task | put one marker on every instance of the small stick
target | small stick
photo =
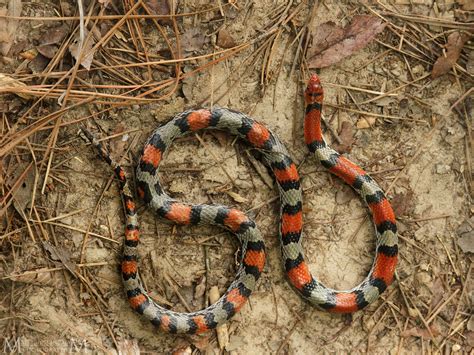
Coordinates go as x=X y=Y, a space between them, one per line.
x=77 y=230
x=435 y=313
x=449 y=256
x=176 y=291
x=266 y=179
x=215 y=158
x=288 y=336
x=222 y=331
x=427 y=218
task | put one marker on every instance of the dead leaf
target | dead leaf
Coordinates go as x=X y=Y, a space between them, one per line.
x=38 y=64
x=66 y=8
x=8 y=26
x=8 y=84
x=465 y=233
x=412 y=312
x=402 y=202
x=466 y=242
x=161 y=7
x=421 y=332
x=365 y=122
x=438 y=292
x=454 y=46
x=47 y=50
x=126 y=346
x=30 y=54
x=87 y=53
x=118 y=145
x=332 y=43
x=470 y=338
x=182 y=350
x=344 y=195
x=23 y=194
x=60 y=254
x=261 y=171
x=467 y=5
x=222 y=330
x=200 y=289
x=222 y=138
x=40 y=276
x=225 y=40
x=201 y=341
x=236 y=197
x=346 y=136
x=193 y=39
x=236 y=342
x=54 y=35
x=470 y=324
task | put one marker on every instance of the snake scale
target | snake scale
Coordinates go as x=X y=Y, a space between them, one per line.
x=276 y=156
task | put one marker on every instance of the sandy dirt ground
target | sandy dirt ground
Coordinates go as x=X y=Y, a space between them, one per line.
x=60 y=288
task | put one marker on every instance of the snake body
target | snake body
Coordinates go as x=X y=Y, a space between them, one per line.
x=253 y=251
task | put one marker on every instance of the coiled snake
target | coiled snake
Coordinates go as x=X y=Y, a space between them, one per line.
x=253 y=250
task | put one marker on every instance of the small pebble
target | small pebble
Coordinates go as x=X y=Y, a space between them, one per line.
x=442 y=168
x=456 y=347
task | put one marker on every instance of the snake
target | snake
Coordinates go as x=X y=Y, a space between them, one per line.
x=252 y=257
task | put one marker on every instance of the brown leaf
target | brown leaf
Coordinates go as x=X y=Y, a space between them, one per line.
x=344 y=195
x=66 y=8
x=470 y=338
x=420 y=332
x=182 y=350
x=223 y=139
x=466 y=242
x=54 y=35
x=200 y=289
x=466 y=236
x=454 y=46
x=22 y=196
x=8 y=26
x=47 y=50
x=236 y=197
x=224 y=39
x=160 y=7
x=332 y=43
x=193 y=39
x=118 y=145
x=438 y=292
x=470 y=324
x=126 y=346
x=346 y=135
x=87 y=54
x=30 y=54
x=38 y=64
x=57 y=254
x=7 y=84
x=366 y=122
x=402 y=202
x=40 y=276
x=325 y=36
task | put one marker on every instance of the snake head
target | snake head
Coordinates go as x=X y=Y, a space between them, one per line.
x=314 y=90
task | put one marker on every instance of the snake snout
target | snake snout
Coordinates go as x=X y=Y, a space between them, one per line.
x=314 y=90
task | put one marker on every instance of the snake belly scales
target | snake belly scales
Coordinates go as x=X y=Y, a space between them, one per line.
x=252 y=249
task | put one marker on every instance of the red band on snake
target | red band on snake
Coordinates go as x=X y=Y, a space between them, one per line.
x=253 y=250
